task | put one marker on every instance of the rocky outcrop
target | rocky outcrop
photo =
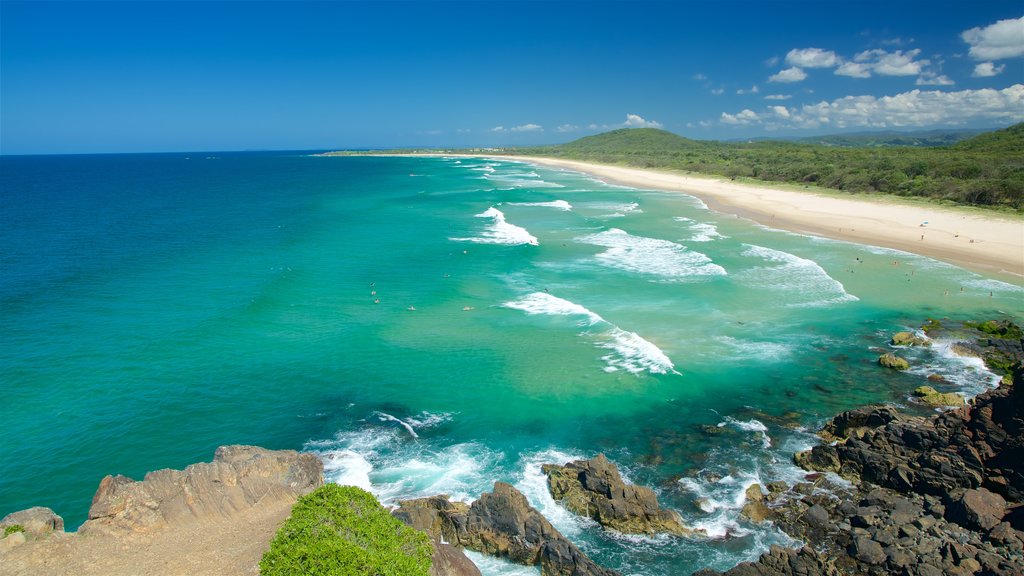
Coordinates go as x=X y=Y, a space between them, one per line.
x=595 y=489
x=433 y=515
x=239 y=477
x=909 y=339
x=500 y=523
x=942 y=495
x=932 y=397
x=36 y=522
x=890 y=360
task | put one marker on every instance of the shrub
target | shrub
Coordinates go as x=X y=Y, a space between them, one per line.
x=342 y=530
x=8 y=530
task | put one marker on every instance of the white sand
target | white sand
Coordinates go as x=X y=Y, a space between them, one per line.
x=974 y=239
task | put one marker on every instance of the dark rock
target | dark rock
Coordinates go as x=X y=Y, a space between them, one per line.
x=594 y=488
x=817 y=517
x=450 y=560
x=977 y=509
x=501 y=523
x=867 y=550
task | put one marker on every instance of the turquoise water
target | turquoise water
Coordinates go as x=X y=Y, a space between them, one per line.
x=433 y=325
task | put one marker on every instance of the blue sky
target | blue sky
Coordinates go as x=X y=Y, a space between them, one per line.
x=167 y=76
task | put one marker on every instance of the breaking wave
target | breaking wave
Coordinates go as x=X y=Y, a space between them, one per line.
x=651 y=256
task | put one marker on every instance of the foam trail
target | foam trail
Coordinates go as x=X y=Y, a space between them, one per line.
x=560 y=204
x=384 y=417
x=629 y=351
x=616 y=210
x=753 y=425
x=805 y=282
x=650 y=256
x=500 y=231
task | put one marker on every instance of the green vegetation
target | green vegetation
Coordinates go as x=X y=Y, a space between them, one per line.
x=998 y=328
x=8 y=530
x=886 y=139
x=342 y=530
x=987 y=170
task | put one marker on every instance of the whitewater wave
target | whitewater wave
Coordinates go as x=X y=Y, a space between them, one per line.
x=382 y=460
x=966 y=375
x=500 y=231
x=744 y=350
x=651 y=256
x=804 y=282
x=752 y=425
x=628 y=350
x=701 y=231
x=521 y=179
x=534 y=485
x=614 y=209
x=560 y=204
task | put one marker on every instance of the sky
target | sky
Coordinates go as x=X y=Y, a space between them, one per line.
x=152 y=76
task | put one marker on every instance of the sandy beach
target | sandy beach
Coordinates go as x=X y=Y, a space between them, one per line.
x=984 y=242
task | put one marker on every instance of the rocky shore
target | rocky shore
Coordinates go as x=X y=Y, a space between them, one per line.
x=924 y=496
x=887 y=493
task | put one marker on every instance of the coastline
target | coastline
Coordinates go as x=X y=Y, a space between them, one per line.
x=986 y=243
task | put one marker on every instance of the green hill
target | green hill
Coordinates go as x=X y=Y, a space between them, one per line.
x=986 y=170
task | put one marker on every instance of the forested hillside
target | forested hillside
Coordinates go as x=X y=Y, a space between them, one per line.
x=987 y=170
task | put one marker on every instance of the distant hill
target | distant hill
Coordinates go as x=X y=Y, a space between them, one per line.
x=1006 y=141
x=986 y=169
x=928 y=138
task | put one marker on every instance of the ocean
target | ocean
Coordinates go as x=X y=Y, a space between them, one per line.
x=432 y=325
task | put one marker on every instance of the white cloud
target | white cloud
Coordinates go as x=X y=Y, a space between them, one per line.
x=635 y=121
x=567 y=128
x=987 y=69
x=854 y=70
x=778 y=97
x=718 y=91
x=932 y=79
x=793 y=74
x=913 y=109
x=898 y=63
x=811 y=58
x=752 y=90
x=780 y=111
x=1004 y=39
x=772 y=62
x=699 y=77
x=527 y=128
x=745 y=117
x=463 y=130
x=498 y=129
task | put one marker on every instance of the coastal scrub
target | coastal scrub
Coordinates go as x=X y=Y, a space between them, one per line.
x=343 y=530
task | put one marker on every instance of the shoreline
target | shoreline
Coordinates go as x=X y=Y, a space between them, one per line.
x=989 y=244
x=984 y=243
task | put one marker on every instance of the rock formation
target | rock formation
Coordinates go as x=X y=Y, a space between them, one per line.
x=890 y=360
x=239 y=477
x=908 y=339
x=595 y=489
x=500 y=523
x=932 y=397
x=931 y=496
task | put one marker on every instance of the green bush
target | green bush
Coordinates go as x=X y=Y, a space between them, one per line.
x=8 y=530
x=342 y=530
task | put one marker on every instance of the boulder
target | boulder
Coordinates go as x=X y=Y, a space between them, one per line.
x=976 y=509
x=12 y=540
x=890 y=360
x=909 y=339
x=501 y=523
x=36 y=522
x=238 y=478
x=594 y=488
x=433 y=515
x=755 y=507
x=932 y=397
x=867 y=550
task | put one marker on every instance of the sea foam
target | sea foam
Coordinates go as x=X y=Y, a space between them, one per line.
x=651 y=256
x=500 y=231
x=560 y=204
x=805 y=283
x=700 y=231
x=628 y=350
